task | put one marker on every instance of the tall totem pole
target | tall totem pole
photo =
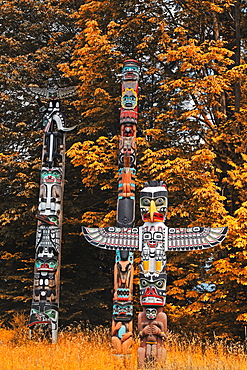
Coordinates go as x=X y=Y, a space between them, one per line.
x=45 y=302
x=153 y=240
x=122 y=321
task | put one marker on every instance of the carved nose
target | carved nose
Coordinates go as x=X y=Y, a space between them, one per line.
x=150 y=291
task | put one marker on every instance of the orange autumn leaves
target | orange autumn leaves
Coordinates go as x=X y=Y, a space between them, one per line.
x=189 y=109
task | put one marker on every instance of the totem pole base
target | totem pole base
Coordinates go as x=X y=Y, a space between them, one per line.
x=54 y=334
x=150 y=356
x=44 y=332
x=122 y=348
x=152 y=326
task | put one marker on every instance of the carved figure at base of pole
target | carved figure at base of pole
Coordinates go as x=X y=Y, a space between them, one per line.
x=152 y=327
x=122 y=336
x=122 y=326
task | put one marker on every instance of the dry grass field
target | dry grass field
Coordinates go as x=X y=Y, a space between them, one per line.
x=91 y=350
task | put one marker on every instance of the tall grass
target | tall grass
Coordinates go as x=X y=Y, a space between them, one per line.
x=91 y=350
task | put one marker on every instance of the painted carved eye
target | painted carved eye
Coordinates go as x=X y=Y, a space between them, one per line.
x=51 y=314
x=159 y=202
x=53 y=218
x=147 y=236
x=160 y=284
x=144 y=283
x=56 y=173
x=158 y=236
x=145 y=202
x=38 y=263
x=52 y=264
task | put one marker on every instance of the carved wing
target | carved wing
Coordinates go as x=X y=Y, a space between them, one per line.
x=59 y=93
x=66 y=92
x=182 y=239
x=113 y=237
x=42 y=93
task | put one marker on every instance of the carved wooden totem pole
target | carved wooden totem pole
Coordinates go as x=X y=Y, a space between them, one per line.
x=45 y=302
x=153 y=240
x=122 y=321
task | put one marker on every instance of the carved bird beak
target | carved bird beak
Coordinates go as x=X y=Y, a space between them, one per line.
x=152 y=210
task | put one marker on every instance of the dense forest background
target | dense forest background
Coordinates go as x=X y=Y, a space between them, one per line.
x=192 y=133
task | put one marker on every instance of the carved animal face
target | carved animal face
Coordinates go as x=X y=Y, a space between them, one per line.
x=46 y=317
x=153 y=289
x=122 y=311
x=153 y=203
x=46 y=264
x=51 y=175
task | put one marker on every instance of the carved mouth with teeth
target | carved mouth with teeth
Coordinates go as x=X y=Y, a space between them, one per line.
x=151 y=297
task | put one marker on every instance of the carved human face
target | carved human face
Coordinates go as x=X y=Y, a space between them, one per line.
x=130 y=70
x=153 y=203
x=129 y=98
x=151 y=313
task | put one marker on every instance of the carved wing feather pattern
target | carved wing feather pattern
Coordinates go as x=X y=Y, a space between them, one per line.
x=66 y=92
x=179 y=239
x=187 y=239
x=42 y=93
x=59 y=93
x=113 y=237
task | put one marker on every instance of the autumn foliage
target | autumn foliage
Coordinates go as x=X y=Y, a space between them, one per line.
x=191 y=134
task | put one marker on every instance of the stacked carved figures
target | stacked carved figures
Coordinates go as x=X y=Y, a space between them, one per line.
x=123 y=270
x=152 y=322
x=153 y=239
x=45 y=302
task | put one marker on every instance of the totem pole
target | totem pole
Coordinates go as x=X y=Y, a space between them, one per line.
x=123 y=270
x=153 y=240
x=45 y=302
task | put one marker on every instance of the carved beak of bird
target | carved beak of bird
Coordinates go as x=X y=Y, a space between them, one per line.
x=152 y=210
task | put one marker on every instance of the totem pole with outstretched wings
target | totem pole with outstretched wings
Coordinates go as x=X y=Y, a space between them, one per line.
x=153 y=240
x=45 y=302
